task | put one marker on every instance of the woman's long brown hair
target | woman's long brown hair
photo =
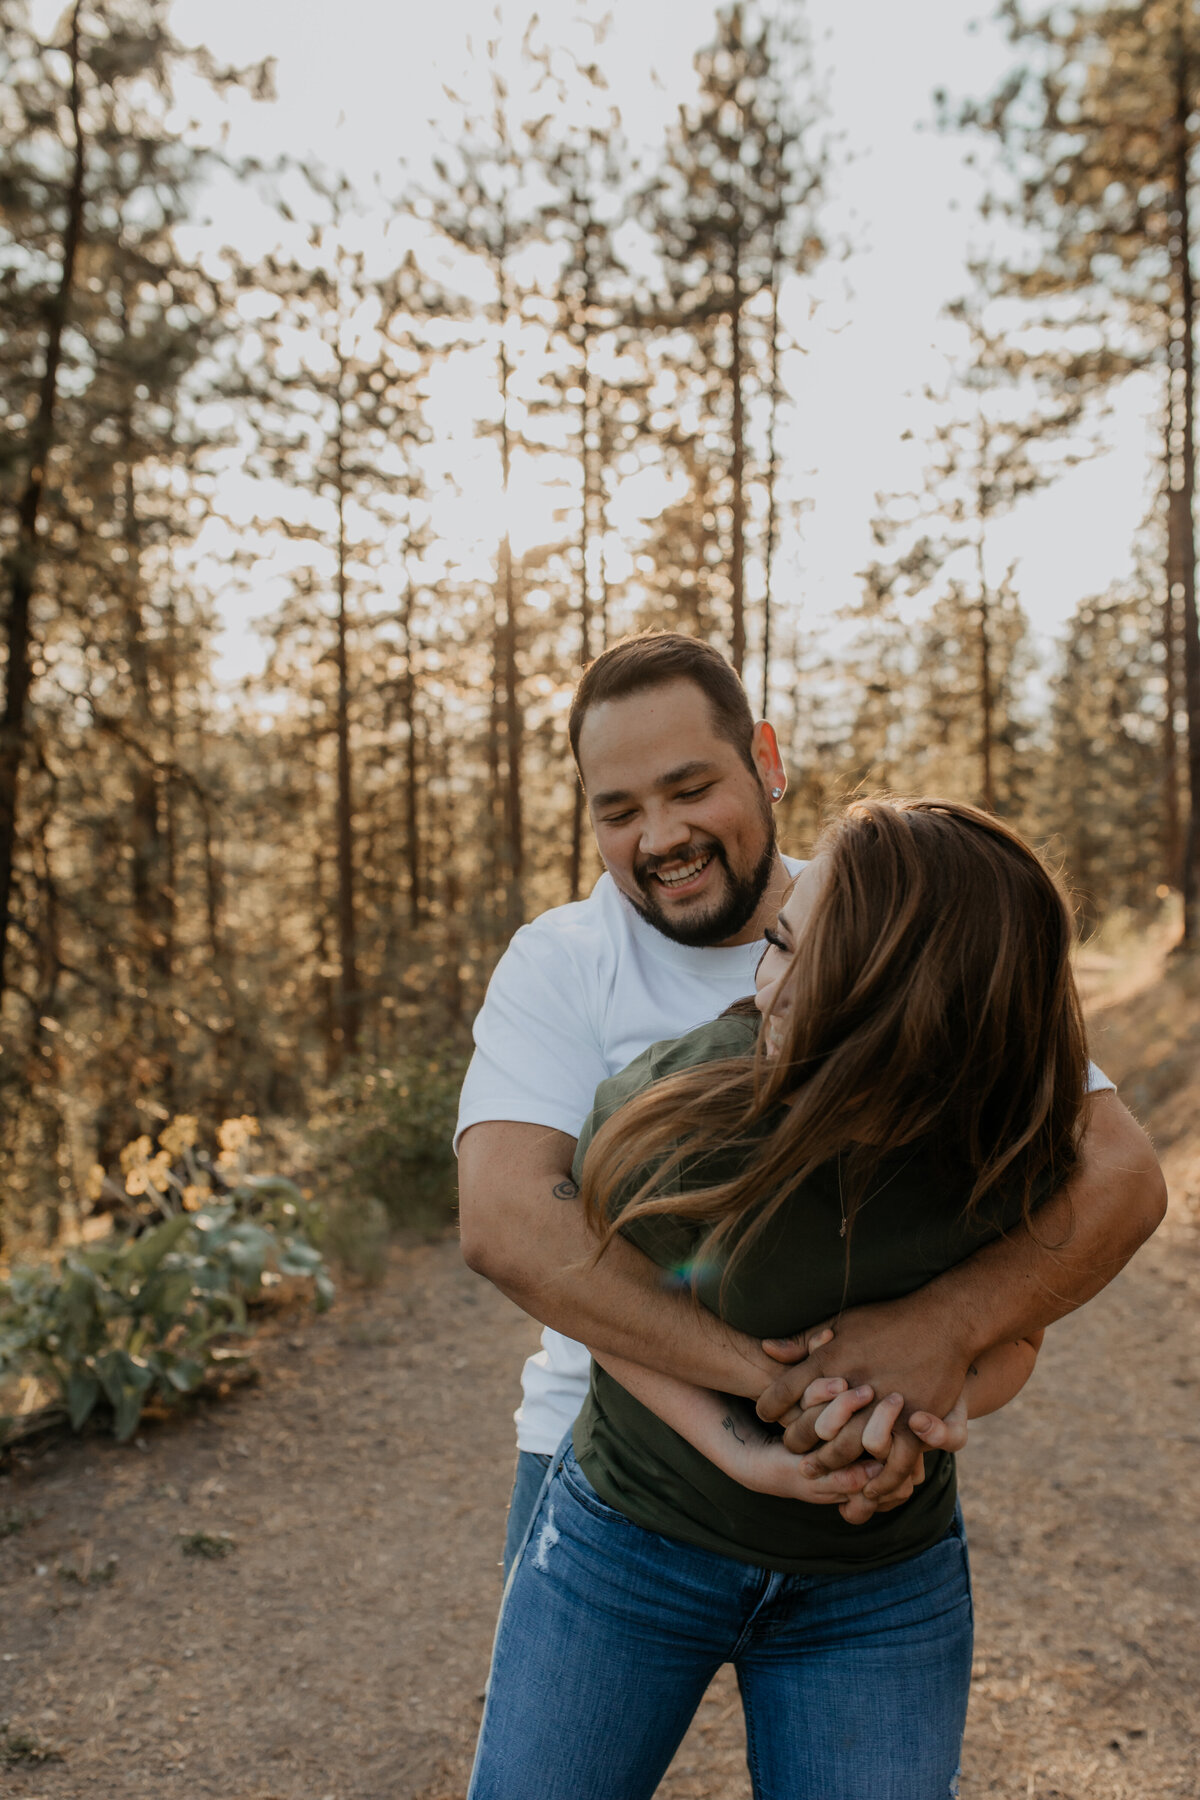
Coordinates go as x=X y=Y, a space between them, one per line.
x=932 y=1000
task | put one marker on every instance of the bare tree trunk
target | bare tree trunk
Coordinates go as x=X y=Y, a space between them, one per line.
x=1185 y=345
x=327 y=997
x=772 y=503
x=153 y=899
x=986 y=758
x=986 y=694
x=349 y=999
x=412 y=812
x=737 y=549
x=513 y=735
x=23 y=563
x=510 y=684
x=1172 y=825
x=585 y=544
x=495 y=798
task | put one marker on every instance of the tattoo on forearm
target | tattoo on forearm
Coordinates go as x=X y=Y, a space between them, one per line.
x=566 y=1190
x=730 y=1425
x=974 y=1369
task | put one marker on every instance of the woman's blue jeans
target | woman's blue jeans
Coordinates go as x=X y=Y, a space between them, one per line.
x=854 y=1686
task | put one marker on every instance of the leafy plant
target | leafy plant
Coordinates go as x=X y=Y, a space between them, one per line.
x=20 y=1748
x=210 y=1545
x=388 y=1133
x=137 y=1317
x=90 y=1575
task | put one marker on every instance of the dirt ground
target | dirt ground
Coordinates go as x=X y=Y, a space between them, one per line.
x=339 y=1649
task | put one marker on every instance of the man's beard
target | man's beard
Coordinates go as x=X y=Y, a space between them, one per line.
x=731 y=915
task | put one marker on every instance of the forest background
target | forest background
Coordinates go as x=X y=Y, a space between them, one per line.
x=439 y=434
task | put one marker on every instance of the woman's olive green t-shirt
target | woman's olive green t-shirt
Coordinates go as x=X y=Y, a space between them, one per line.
x=908 y=1229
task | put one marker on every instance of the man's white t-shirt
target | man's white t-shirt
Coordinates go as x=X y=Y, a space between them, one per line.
x=576 y=996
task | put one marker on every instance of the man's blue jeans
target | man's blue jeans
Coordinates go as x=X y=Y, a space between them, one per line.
x=854 y=1686
x=527 y=1485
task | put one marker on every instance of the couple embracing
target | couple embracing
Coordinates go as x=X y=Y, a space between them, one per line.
x=783 y=1249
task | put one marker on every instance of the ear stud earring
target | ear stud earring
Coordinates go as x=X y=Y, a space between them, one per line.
x=777 y=793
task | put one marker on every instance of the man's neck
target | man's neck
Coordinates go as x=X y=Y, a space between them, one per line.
x=767 y=910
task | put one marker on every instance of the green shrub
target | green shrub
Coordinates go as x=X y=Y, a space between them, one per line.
x=387 y=1134
x=135 y=1318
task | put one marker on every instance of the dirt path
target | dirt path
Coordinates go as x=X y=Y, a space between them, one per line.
x=339 y=1650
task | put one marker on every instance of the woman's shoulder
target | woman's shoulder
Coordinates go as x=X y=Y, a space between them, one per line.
x=715 y=1041
x=733 y=1034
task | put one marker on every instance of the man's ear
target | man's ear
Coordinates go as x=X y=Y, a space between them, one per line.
x=764 y=749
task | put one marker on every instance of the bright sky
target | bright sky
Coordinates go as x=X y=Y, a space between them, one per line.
x=359 y=84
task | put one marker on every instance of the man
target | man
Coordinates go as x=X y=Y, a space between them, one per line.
x=680 y=783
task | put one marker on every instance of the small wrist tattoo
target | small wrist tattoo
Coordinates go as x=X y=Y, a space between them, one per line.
x=566 y=1190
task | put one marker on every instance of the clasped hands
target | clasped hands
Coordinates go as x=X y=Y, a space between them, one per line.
x=848 y=1440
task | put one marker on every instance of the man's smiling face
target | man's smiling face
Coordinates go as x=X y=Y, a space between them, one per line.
x=683 y=825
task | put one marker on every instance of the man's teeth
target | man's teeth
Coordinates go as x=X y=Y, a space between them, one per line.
x=684 y=874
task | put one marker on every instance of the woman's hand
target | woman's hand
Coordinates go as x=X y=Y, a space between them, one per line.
x=949 y=1433
x=757 y=1458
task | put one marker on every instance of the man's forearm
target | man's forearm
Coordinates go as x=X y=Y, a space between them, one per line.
x=622 y=1305
x=923 y=1344
x=1080 y=1239
x=523 y=1228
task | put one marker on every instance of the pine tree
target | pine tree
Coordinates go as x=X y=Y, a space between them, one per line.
x=1100 y=126
x=588 y=385
x=483 y=205
x=334 y=401
x=732 y=213
x=1102 y=773
x=101 y=487
x=991 y=446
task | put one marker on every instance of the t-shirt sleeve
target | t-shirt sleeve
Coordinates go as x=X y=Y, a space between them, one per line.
x=1098 y=1082
x=538 y=1059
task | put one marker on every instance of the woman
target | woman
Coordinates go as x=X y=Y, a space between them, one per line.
x=917 y=1087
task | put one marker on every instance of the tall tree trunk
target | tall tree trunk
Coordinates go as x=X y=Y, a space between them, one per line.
x=23 y=563
x=585 y=547
x=495 y=798
x=513 y=735
x=986 y=707
x=772 y=480
x=987 y=698
x=737 y=548
x=153 y=900
x=412 y=811
x=1186 y=346
x=509 y=677
x=327 y=994
x=1172 y=846
x=349 y=999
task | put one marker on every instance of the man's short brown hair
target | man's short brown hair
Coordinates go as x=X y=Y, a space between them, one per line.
x=650 y=660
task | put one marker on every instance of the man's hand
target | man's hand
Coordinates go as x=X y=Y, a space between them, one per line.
x=901 y=1348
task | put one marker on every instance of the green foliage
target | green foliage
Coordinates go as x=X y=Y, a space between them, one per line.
x=212 y=1546
x=137 y=1318
x=388 y=1134
x=21 y=1749
x=89 y=1576
x=1103 y=781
